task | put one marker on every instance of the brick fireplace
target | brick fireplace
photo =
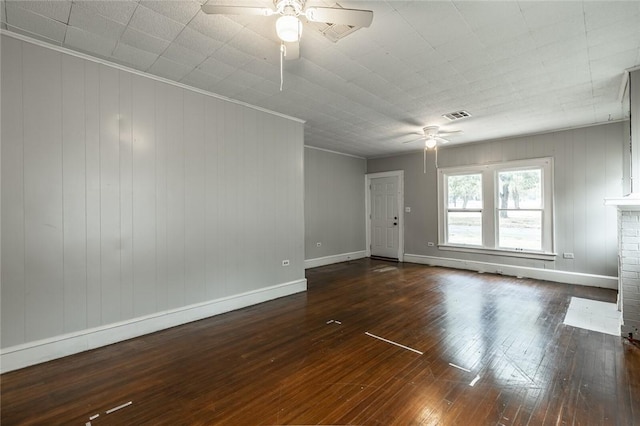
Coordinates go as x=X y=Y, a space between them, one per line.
x=629 y=223
x=629 y=268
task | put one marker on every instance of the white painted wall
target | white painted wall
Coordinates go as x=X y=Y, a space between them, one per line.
x=334 y=207
x=588 y=168
x=124 y=197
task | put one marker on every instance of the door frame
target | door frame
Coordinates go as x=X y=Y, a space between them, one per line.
x=400 y=175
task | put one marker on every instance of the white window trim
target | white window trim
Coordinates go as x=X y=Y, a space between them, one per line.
x=489 y=173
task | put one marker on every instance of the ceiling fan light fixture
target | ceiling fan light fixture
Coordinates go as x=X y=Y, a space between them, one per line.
x=288 y=28
x=430 y=143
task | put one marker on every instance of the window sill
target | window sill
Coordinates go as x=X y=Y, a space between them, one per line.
x=500 y=252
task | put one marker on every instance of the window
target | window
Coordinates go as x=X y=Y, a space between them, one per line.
x=502 y=207
x=464 y=209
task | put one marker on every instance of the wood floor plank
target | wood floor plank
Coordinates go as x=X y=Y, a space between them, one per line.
x=284 y=362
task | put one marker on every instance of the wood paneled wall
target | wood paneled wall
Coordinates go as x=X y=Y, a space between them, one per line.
x=588 y=167
x=334 y=203
x=124 y=196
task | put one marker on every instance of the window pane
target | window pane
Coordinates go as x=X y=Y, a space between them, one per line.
x=465 y=191
x=520 y=229
x=520 y=189
x=464 y=228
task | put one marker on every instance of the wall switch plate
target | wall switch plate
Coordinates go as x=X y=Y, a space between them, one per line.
x=285 y=262
x=567 y=255
x=407 y=209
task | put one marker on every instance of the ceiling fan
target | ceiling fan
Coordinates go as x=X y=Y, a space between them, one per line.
x=289 y=12
x=433 y=135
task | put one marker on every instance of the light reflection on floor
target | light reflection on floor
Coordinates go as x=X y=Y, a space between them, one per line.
x=593 y=315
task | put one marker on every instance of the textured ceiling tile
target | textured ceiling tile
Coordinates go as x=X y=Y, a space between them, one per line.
x=540 y=14
x=89 y=42
x=227 y=89
x=317 y=74
x=613 y=33
x=562 y=48
x=601 y=14
x=480 y=14
x=460 y=46
x=133 y=57
x=264 y=70
x=471 y=61
x=411 y=81
x=267 y=89
x=511 y=46
x=144 y=41
x=440 y=72
x=36 y=24
x=115 y=10
x=169 y=69
x=437 y=22
x=232 y=55
x=183 y=55
x=216 y=68
x=379 y=59
x=534 y=66
x=57 y=10
x=197 y=41
x=152 y=23
x=358 y=44
x=568 y=28
x=199 y=79
x=343 y=66
x=218 y=27
x=180 y=11
x=503 y=32
x=257 y=46
x=612 y=65
x=86 y=19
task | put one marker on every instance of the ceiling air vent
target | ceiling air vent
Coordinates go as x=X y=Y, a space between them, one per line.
x=457 y=115
x=333 y=32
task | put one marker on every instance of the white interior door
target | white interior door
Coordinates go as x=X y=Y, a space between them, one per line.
x=384 y=217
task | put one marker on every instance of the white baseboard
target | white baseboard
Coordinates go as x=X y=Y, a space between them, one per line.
x=590 y=280
x=32 y=353
x=336 y=258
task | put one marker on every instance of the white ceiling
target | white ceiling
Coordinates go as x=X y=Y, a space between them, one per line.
x=517 y=67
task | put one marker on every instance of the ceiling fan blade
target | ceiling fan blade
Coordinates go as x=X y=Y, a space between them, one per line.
x=213 y=9
x=292 y=51
x=415 y=140
x=335 y=15
x=438 y=138
x=449 y=132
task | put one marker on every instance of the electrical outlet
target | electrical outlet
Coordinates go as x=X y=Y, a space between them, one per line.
x=285 y=262
x=430 y=244
x=567 y=255
x=318 y=244
x=407 y=209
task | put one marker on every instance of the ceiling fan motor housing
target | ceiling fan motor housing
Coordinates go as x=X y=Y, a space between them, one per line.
x=289 y=7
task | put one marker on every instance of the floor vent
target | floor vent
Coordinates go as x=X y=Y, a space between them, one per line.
x=457 y=115
x=333 y=32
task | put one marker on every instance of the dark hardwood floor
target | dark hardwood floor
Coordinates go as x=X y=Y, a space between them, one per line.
x=281 y=362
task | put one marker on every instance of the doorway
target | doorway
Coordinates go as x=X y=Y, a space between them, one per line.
x=385 y=218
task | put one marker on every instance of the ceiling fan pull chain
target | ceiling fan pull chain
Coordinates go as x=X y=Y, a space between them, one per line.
x=424 y=161
x=283 y=52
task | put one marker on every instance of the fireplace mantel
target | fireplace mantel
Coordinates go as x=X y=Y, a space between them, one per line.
x=628 y=202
